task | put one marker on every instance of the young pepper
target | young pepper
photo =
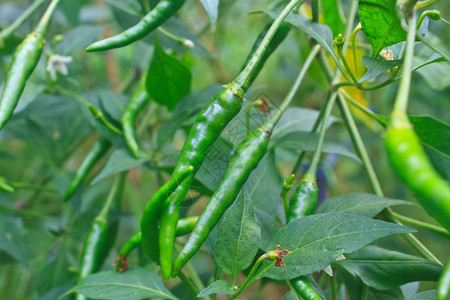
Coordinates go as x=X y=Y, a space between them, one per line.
x=102 y=234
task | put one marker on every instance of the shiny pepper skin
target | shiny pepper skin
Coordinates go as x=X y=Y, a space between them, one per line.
x=243 y=162
x=23 y=64
x=137 y=101
x=415 y=170
x=158 y=15
x=304 y=201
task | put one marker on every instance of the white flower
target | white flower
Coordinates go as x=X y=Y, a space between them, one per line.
x=57 y=64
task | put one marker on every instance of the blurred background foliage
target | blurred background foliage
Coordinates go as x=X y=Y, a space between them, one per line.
x=51 y=131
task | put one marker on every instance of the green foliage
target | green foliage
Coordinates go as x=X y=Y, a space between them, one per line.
x=52 y=130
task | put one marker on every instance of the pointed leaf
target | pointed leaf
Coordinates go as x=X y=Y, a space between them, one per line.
x=135 y=283
x=316 y=241
x=377 y=66
x=168 y=80
x=217 y=287
x=238 y=237
x=320 y=32
x=363 y=204
x=427 y=295
x=211 y=8
x=384 y=269
x=380 y=23
x=120 y=160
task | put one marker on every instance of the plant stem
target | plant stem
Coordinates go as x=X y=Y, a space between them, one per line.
x=433 y=47
x=249 y=278
x=352 y=39
x=347 y=67
x=189 y=284
x=401 y=101
x=384 y=121
x=5 y=33
x=310 y=175
x=98 y=115
x=288 y=99
x=373 y=180
x=41 y=27
x=243 y=79
x=437 y=229
x=364 y=292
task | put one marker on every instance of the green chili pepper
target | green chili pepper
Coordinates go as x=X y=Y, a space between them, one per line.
x=152 y=211
x=403 y=146
x=97 y=151
x=23 y=63
x=303 y=287
x=443 y=287
x=158 y=15
x=244 y=161
x=210 y=122
x=137 y=101
x=415 y=170
x=184 y=227
x=102 y=234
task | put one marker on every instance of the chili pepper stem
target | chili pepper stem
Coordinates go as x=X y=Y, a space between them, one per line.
x=43 y=23
x=189 y=284
x=269 y=125
x=20 y=20
x=243 y=78
x=249 y=278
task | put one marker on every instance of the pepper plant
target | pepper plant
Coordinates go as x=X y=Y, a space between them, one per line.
x=223 y=149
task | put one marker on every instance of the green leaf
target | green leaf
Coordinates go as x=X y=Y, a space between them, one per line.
x=260 y=186
x=384 y=269
x=185 y=111
x=427 y=295
x=432 y=133
x=307 y=141
x=238 y=237
x=269 y=227
x=12 y=232
x=135 y=283
x=217 y=287
x=211 y=8
x=330 y=12
x=298 y=119
x=319 y=32
x=363 y=204
x=79 y=38
x=316 y=241
x=377 y=66
x=132 y=7
x=392 y=294
x=120 y=160
x=113 y=104
x=168 y=80
x=380 y=23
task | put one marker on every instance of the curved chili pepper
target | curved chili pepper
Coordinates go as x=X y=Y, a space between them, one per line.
x=415 y=170
x=184 y=227
x=137 y=101
x=443 y=287
x=158 y=15
x=244 y=161
x=102 y=234
x=24 y=61
x=97 y=151
x=152 y=211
